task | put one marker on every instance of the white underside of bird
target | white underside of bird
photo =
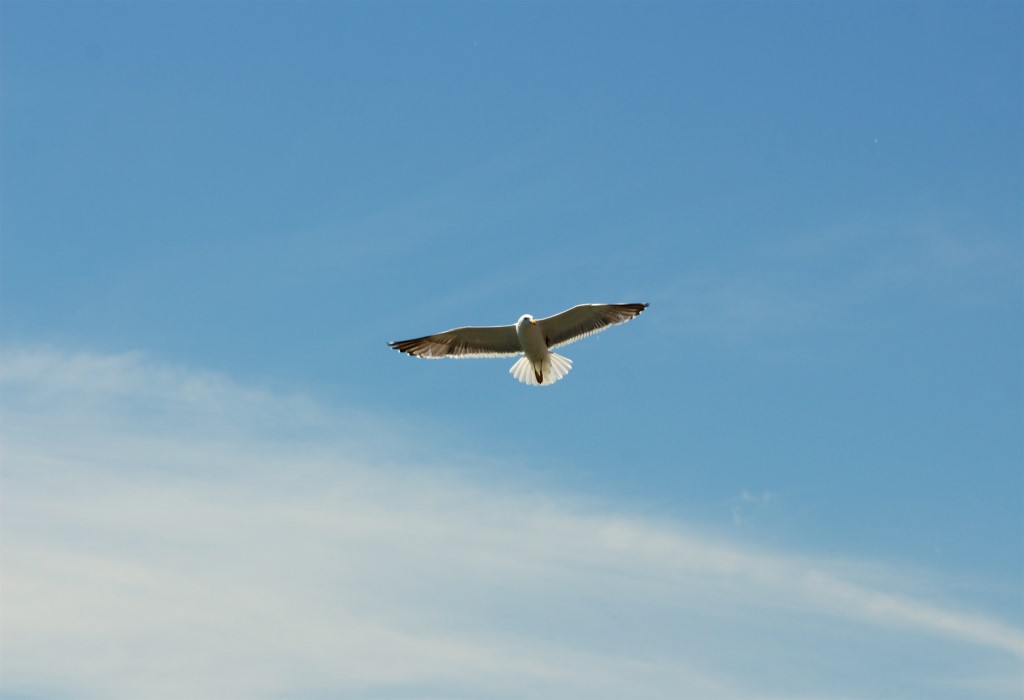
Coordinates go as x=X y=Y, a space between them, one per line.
x=531 y=338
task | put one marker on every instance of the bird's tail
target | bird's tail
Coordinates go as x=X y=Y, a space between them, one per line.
x=549 y=371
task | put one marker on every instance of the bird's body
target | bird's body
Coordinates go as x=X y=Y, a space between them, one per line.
x=530 y=338
x=535 y=346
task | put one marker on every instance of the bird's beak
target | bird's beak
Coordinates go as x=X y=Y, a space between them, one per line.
x=533 y=322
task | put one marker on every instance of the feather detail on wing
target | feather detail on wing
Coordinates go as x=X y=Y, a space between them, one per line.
x=586 y=319
x=472 y=341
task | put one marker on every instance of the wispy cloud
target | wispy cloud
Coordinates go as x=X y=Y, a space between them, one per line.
x=940 y=258
x=747 y=504
x=738 y=309
x=169 y=533
x=845 y=275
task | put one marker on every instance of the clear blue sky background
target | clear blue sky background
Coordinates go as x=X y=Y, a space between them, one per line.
x=822 y=203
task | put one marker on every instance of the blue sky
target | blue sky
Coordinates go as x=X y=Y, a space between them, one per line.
x=807 y=452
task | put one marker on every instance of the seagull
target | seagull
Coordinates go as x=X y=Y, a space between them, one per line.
x=531 y=338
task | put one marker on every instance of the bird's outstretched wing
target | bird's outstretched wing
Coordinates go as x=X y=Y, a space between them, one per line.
x=472 y=341
x=586 y=319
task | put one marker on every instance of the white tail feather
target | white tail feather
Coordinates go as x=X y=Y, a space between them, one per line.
x=553 y=368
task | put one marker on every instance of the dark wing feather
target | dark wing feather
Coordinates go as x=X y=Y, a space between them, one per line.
x=586 y=319
x=472 y=341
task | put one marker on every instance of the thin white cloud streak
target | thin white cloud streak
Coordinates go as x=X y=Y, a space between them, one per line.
x=734 y=310
x=944 y=262
x=168 y=533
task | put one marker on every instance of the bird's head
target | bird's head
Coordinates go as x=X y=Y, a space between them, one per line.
x=525 y=319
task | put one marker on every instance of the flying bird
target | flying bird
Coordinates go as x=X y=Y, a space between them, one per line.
x=531 y=338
